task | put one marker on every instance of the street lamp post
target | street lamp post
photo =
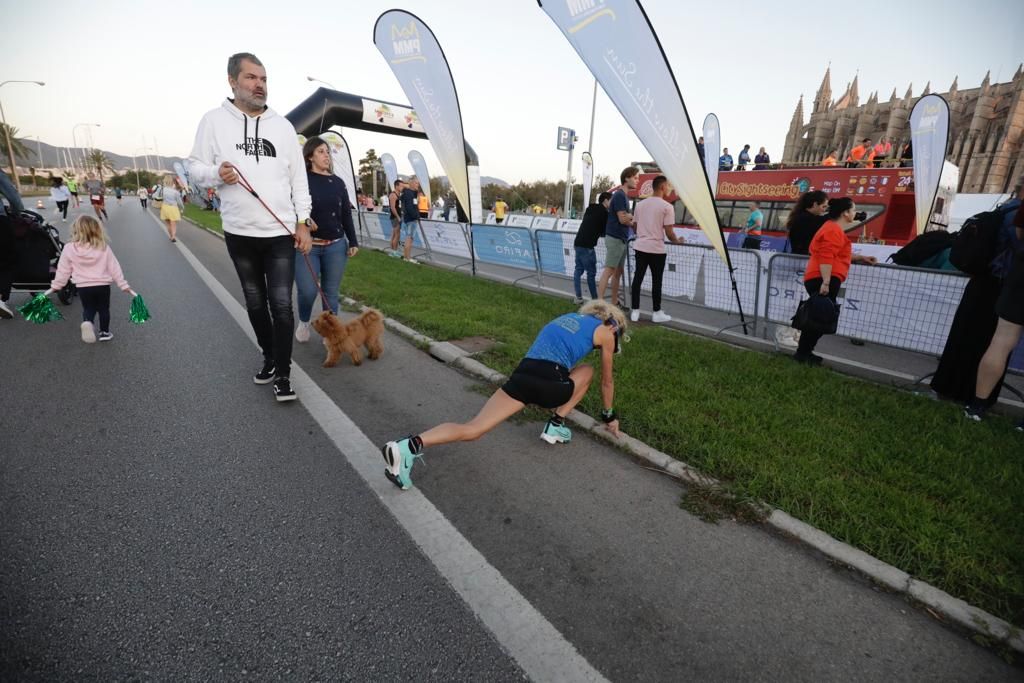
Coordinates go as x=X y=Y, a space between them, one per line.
x=7 y=134
x=317 y=80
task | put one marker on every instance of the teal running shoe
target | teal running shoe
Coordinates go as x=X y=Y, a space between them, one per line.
x=556 y=433
x=400 y=458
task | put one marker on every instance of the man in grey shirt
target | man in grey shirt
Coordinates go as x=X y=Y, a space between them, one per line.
x=94 y=187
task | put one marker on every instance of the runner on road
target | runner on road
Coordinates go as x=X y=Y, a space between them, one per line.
x=543 y=378
x=244 y=134
x=143 y=197
x=73 y=189
x=94 y=187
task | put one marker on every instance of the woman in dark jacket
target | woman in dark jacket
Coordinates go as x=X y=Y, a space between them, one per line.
x=334 y=239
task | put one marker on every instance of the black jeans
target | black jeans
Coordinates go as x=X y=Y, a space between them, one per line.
x=808 y=340
x=656 y=262
x=266 y=269
x=63 y=208
x=96 y=300
x=143 y=203
x=8 y=260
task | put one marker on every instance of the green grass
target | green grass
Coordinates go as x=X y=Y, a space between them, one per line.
x=207 y=219
x=904 y=478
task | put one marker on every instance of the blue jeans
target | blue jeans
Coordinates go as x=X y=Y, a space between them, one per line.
x=329 y=265
x=586 y=262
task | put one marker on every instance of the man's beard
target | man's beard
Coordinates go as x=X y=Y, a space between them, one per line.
x=251 y=101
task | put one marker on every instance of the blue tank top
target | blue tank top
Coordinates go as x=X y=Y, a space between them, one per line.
x=565 y=340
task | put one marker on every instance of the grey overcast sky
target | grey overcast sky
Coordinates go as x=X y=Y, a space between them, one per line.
x=148 y=71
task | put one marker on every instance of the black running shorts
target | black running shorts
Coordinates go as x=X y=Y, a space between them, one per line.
x=540 y=383
x=1010 y=305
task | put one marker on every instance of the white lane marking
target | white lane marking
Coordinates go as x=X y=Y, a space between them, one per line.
x=537 y=646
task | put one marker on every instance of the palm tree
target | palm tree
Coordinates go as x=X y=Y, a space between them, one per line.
x=98 y=160
x=19 y=148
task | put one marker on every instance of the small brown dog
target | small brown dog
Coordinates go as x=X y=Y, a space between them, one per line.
x=341 y=337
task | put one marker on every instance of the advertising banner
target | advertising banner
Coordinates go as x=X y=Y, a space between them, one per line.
x=504 y=246
x=392 y=115
x=446 y=238
x=419 y=167
x=390 y=169
x=712 y=145
x=419 y=64
x=929 y=133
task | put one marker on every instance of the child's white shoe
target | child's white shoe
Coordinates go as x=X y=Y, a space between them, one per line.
x=88 y=332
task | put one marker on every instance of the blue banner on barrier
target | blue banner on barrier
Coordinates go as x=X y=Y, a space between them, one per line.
x=735 y=241
x=551 y=247
x=512 y=247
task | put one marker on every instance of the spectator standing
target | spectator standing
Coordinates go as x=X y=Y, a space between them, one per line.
x=830 y=159
x=762 y=160
x=744 y=158
x=654 y=220
x=752 y=230
x=700 y=149
x=725 y=161
x=172 y=208
x=907 y=155
x=831 y=256
x=882 y=150
x=395 y=212
x=803 y=223
x=858 y=155
x=592 y=227
x=617 y=233
x=500 y=207
x=410 y=216
x=263 y=252
x=423 y=204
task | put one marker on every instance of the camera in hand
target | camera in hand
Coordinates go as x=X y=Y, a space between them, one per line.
x=860 y=216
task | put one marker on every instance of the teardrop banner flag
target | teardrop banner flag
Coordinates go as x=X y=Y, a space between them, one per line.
x=616 y=41
x=713 y=142
x=588 y=178
x=341 y=161
x=390 y=168
x=419 y=64
x=419 y=167
x=929 y=131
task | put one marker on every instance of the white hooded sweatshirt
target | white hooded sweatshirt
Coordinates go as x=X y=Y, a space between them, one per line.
x=266 y=150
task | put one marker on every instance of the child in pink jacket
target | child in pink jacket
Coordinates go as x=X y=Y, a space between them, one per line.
x=88 y=261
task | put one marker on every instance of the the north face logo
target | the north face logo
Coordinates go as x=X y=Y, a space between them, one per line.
x=249 y=147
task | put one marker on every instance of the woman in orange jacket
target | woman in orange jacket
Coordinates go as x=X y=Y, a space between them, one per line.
x=831 y=256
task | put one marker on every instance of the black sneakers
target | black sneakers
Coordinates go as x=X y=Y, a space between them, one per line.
x=283 y=389
x=266 y=375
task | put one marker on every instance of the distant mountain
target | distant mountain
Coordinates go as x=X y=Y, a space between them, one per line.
x=484 y=180
x=54 y=159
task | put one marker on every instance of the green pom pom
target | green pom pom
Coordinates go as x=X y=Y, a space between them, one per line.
x=139 y=313
x=40 y=310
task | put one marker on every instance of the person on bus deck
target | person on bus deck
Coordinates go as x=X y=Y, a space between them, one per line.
x=882 y=150
x=830 y=159
x=744 y=158
x=725 y=161
x=857 y=155
x=761 y=161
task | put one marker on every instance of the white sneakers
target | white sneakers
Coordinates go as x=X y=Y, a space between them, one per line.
x=88 y=333
x=634 y=315
x=660 y=317
x=787 y=336
x=302 y=333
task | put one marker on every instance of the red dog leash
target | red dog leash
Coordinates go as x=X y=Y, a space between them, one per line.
x=248 y=188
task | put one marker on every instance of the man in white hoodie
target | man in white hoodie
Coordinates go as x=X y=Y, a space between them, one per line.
x=245 y=134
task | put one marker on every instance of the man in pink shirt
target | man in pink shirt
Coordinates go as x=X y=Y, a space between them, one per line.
x=654 y=220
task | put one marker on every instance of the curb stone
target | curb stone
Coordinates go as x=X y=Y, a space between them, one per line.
x=956 y=610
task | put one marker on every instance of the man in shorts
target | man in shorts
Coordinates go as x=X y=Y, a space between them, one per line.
x=410 y=216
x=94 y=186
x=617 y=233
x=1010 y=309
x=72 y=184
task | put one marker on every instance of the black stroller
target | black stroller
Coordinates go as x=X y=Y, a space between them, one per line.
x=37 y=248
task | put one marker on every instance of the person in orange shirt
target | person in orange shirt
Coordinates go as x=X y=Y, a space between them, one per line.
x=858 y=153
x=830 y=159
x=882 y=150
x=831 y=256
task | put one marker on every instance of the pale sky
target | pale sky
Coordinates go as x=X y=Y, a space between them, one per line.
x=148 y=71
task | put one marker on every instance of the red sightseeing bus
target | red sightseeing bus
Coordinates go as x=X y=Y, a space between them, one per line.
x=885 y=194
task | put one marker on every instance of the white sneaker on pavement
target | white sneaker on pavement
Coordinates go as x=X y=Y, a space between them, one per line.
x=784 y=337
x=661 y=317
x=5 y=312
x=302 y=333
x=634 y=315
x=88 y=333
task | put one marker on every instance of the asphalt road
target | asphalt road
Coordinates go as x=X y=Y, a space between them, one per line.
x=162 y=517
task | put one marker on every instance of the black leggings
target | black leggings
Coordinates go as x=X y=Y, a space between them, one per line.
x=808 y=340
x=63 y=208
x=143 y=203
x=96 y=300
x=657 y=266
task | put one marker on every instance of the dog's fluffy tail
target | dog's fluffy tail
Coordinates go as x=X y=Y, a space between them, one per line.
x=371 y=316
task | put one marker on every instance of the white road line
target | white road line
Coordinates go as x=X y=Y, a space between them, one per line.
x=537 y=646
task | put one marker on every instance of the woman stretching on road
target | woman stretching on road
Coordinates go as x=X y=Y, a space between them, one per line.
x=543 y=378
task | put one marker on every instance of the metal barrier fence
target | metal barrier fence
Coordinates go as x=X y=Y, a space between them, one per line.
x=905 y=308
